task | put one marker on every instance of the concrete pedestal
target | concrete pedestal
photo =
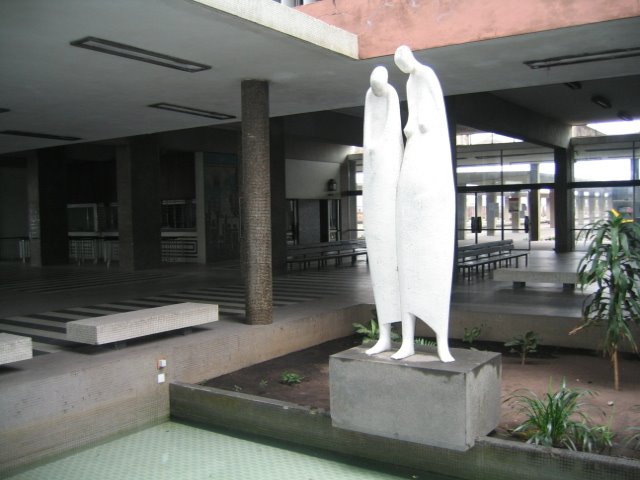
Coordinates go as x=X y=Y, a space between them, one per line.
x=418 y=399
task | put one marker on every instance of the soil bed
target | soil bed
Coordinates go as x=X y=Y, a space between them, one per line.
x=581 y=369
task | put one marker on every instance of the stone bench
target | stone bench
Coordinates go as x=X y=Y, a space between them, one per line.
x=14 y=348
x=520 y=277
x=121 y=327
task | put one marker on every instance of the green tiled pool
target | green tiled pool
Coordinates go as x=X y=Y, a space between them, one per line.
x=177 y=451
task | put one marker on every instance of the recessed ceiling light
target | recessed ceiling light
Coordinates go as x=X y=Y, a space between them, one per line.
x=48 y=136
x=574 y=85
x=626 y=116
x=584 y=58
x=601 y=101
x=135 y=53
x=192 y=111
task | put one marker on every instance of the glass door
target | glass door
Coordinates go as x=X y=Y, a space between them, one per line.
x=489 y=216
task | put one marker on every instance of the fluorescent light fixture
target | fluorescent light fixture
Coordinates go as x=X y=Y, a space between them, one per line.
x=48 y=136
x=601 y=101
x=584 y=58
x=192 y=111
x=574 y=85
x=135 y=53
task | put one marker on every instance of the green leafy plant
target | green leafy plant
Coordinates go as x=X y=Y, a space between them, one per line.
x=262 y=385
x=559 y=420
x=470 y=334
x=633 y=439
x=425 y=341
x=372 y=332
x=524 y=344
x=290 y=378
x=612 y=264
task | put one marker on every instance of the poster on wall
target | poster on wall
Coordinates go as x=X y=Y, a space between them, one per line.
x=222 y=214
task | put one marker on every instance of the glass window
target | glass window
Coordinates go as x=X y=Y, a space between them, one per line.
x=592 y=204
x=599 y=162
x=523 y=164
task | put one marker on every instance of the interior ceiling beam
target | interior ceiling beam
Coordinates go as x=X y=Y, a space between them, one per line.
x=489 y=113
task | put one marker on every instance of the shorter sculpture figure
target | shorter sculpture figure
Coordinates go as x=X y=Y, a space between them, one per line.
x=383 y=147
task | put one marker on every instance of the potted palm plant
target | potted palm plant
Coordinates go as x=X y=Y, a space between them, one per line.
x=612 y=264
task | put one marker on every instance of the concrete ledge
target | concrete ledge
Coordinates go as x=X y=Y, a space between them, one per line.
x=419 y=399
x=489 y=458
x=521 y=276
x=14 y=348
x=139 y=323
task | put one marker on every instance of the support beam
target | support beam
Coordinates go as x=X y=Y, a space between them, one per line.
x=255 y=202
x=492 y=114
x=563 y=202
x=139 y=210
x=47 y=204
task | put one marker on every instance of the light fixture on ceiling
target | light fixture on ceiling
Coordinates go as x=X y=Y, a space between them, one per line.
x=4 y=110
x=584 y=58
x=192 y=111
x=574 y=85
x=48 y=136
x=140 y=54
x=601 y=101
x=626 y=116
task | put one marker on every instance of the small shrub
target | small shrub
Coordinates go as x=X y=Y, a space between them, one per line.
x=425 y=341
x=524 y=344
x=262 y=385
x=470 y=334
x=558 y=420
x=290 y=378
x=633 y=439
x=372 y=332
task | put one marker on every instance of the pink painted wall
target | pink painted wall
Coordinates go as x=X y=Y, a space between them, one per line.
x=382 y=25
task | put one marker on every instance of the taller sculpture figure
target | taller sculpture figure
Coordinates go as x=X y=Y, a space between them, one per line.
x=425 y=209
x=382 y=156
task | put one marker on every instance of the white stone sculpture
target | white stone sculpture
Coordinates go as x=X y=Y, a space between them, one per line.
x=425 y=210
x=409 y=206
x=383 y=148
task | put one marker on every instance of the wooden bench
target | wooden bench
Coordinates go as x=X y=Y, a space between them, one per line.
x=483 y=256
x=14 y=348
x=321 y=253
x=120 y=327
x=520 y=277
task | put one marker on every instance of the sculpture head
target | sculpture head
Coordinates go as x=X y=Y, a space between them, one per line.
x=404 y=59
x=379 y=80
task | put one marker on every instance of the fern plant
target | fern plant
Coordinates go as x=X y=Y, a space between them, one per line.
x=612 y=264
x=559 y=420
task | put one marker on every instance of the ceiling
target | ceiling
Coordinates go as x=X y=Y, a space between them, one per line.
x=49 y=86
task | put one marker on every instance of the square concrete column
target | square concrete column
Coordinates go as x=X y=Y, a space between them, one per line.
x=47 y=207
x=139 y=210
x=256 y=202
x=563 y=201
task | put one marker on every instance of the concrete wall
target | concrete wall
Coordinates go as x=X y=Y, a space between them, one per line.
x=308 y=179
x=56 y=402
x=382 y=25
x=13 y=199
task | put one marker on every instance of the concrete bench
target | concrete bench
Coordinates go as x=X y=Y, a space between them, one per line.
x=520 y=277
x=14 y=348
x=120 y=327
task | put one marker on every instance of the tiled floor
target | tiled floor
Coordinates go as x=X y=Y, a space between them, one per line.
x=37 y=302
